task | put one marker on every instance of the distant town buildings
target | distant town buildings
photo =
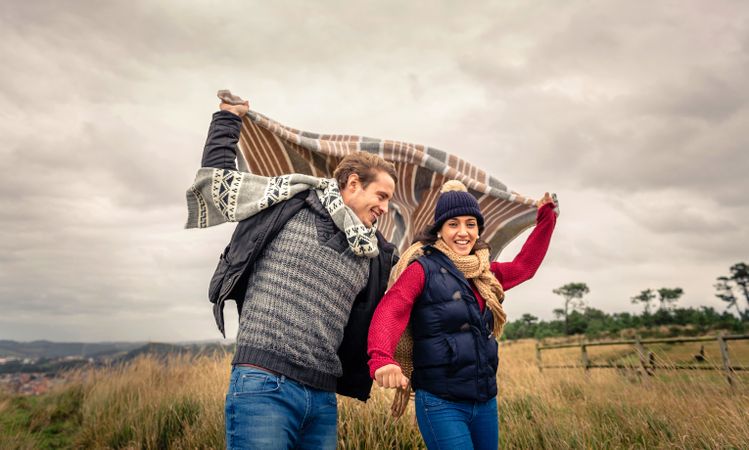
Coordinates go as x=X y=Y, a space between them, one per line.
x=28 y=383
x=32 y=376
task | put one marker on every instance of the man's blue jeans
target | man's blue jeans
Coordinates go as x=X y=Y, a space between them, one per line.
x=266 y=411
x=455 y=425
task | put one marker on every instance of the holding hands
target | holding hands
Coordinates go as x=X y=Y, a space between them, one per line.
x=391 y=376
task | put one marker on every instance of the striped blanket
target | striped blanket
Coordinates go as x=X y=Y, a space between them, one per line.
x=271 y=149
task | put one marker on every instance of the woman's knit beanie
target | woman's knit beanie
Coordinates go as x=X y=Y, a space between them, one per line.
x=455 y=201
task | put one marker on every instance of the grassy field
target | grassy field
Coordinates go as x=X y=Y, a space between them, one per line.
x=149 y=404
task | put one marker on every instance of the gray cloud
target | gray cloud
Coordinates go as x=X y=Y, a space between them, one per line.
x=632 y=97
x=635 y=114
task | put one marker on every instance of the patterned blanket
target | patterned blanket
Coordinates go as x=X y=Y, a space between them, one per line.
x=272 y=149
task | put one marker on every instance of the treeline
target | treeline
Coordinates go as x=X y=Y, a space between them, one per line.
x=576 y=318
x=596 y=324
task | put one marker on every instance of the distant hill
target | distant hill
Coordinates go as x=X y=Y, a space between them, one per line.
x=48 y=349
x=163 y=351
x=116 y=350
x=53 y=357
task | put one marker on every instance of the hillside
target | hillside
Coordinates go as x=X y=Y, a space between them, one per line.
x=48 y=349
x=147 y=403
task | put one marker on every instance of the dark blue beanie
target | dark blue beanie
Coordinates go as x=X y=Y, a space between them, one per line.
x=455 y=201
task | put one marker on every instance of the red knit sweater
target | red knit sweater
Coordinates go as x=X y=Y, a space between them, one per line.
x=393 y=312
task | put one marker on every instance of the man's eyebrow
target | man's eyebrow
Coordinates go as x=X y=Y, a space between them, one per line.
x=386 y=194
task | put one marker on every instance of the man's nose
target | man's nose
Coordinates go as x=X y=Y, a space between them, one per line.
x=384 y=206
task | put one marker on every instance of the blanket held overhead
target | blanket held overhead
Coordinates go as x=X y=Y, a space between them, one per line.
x=271 y=149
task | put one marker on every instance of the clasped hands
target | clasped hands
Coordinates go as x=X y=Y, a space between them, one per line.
x=391 y=376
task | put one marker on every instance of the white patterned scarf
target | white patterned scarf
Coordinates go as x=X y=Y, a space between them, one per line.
x=220 y=195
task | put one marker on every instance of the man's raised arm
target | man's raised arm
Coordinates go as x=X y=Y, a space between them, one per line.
x=220 y=149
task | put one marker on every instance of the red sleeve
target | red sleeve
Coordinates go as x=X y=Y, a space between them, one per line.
x=526 y=263
x=391 y=317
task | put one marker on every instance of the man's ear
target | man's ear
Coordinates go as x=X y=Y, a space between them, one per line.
x=352 y=182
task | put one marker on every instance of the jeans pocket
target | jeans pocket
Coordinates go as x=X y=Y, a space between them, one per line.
x=332 y=400
x=432 y=401
x=256 y=382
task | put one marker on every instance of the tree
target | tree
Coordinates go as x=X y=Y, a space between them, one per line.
x=728 y=287
x=645 y=297
x=740 y=276
x=577 y=323
x=528 y=319
x=667 y=297
x=572 y=294
x=528 y=322
x=725 y=293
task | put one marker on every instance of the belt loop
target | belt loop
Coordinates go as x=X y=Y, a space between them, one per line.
x=283 y=378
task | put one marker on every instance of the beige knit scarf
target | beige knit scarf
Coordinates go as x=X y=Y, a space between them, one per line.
x=475 y=267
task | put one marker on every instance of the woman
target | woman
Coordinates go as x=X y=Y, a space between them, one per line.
x=453 y=297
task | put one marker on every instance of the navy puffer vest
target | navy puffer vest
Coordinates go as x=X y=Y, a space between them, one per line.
x=455 y=354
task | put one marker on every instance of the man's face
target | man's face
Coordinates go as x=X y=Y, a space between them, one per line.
x=371 y=202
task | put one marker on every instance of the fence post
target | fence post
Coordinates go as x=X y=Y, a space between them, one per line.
x=538 y=357
x=726 y=362
x=641 y=353
x=586 y=362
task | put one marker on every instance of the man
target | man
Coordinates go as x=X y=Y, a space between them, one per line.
x=305 y=295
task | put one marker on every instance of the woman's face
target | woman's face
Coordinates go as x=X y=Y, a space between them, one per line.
x=460 y=233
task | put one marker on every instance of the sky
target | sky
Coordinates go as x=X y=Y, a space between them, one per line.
x=635 y=113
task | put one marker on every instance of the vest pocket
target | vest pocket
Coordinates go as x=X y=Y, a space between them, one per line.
x=433 y=352
x=464 y=349
x=492 y=349
x=453 y=350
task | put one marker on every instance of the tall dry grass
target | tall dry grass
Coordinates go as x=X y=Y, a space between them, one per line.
x=179 y=404
x=604 y=408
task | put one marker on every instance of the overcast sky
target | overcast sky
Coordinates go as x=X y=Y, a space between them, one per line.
x=635 y=113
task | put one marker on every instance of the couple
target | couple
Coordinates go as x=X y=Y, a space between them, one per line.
x=309 y=273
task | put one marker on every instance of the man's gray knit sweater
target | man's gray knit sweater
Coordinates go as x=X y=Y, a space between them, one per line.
x=299 y=298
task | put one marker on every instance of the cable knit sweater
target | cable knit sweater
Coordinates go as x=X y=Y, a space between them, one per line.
x=299 y=299
x=392 y=314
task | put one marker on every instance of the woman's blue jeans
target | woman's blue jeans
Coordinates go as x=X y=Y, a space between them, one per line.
x=447 y=425
x=268 y=411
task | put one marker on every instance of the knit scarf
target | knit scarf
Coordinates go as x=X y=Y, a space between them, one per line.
x=220 y=195
x=475 y=267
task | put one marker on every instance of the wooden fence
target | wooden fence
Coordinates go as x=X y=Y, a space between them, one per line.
x=648 y=363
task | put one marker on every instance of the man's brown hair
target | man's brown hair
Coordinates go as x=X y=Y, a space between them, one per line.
x=366 y=165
